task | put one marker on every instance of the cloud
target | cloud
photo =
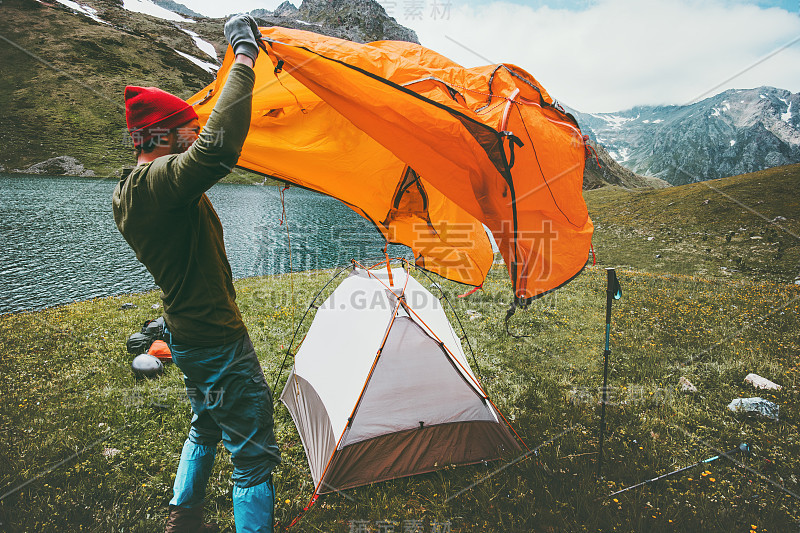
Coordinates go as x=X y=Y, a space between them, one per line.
x=605 y=55
x=618 y=53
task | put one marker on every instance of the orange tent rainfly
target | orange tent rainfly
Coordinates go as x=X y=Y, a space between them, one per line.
x=425 y=149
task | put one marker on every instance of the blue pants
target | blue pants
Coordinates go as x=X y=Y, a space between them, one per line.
x=231 y=402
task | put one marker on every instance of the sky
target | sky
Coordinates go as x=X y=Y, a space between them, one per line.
x=606 y=55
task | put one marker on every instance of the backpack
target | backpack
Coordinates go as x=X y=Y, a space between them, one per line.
x=152 y=330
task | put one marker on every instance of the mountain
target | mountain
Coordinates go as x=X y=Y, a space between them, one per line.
x=602 y=170
x=177 y=8
x=64 y=70
x=734 y=132
x=360 y=21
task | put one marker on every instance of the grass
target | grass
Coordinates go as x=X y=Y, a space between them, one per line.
x=733 y=228
x=69 y=395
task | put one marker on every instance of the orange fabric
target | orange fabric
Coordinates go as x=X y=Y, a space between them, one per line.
x=412 y=142
x=160 y=349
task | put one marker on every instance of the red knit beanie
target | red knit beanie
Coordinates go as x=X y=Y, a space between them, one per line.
x=151 y=112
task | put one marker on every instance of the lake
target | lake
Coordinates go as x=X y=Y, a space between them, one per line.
x=60 y=244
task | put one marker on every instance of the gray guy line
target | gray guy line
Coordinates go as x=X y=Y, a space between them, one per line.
x=513 y=462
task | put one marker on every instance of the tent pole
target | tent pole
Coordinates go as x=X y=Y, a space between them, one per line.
x=455 y=314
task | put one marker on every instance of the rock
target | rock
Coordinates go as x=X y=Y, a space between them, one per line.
x=155 y=306
x=754 y=406
x=658 y=256
x=360 y=21
x=62 y=165
x=127 y=306
x=776 y=219
x=686 y=385
x=472 y=314
x=761 y=383
x=108 y=453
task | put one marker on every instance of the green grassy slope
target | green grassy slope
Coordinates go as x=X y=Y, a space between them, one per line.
x=68 y=396
x=735 y=227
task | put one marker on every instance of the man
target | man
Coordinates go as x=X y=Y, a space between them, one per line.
x=161 y=209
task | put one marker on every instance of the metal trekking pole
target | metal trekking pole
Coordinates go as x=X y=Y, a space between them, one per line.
x=613 y=292
x=742 y=448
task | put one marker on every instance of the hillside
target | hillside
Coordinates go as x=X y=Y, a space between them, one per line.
x=739 y=227
x=63 y=96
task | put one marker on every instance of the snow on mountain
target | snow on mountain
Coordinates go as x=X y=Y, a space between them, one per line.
x=149 y=8
x=83 y=9
x=204 y=46
x=205 y=65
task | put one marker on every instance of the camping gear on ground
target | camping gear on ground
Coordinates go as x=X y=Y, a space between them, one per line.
x=742 y=448
x=146 y=366
x=152 y=330
x=755 y=406
x=613 y=292
x=446 y=149
x=381 y=388
x=138 y=343
x=160 y=350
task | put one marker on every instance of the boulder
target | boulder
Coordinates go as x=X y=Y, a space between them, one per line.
x=754 y=406
x=62 y=165
x=761 y=383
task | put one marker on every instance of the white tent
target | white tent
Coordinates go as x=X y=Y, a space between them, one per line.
x=381 y=388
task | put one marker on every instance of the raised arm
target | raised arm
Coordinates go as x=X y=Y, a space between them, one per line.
x=184 y=178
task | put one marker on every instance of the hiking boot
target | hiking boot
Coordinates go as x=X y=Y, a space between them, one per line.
x=184 y=520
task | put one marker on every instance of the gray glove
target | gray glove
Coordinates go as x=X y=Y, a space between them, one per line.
x=242 y=32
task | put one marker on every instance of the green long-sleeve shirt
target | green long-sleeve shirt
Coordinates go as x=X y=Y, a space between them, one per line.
x=162 y=210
